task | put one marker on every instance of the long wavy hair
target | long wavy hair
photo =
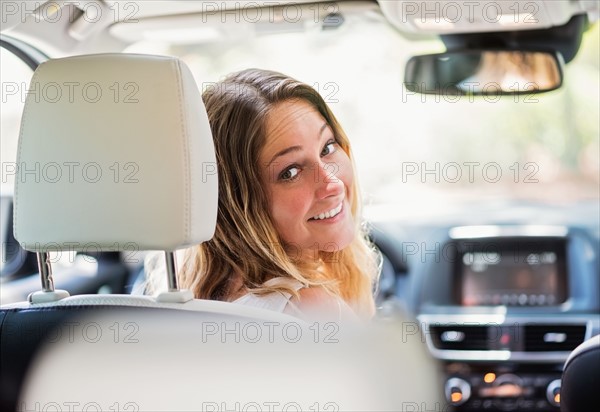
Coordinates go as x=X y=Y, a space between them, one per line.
x=246 y=244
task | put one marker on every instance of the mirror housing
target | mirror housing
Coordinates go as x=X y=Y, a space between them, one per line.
x=484 y=72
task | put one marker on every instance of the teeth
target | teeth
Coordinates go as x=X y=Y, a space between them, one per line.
x=329 y=214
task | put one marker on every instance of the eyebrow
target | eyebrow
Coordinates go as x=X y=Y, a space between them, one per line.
x=294 y=148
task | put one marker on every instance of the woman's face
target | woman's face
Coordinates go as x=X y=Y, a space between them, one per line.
x=308 y=178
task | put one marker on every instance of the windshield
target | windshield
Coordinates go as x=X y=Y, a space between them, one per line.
x=414 y=150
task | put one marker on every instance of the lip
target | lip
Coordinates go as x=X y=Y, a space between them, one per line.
x=331 y=220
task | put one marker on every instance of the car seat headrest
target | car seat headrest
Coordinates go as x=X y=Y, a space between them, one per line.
x=115 y=152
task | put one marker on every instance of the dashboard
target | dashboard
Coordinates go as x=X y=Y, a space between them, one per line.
x=500 y=305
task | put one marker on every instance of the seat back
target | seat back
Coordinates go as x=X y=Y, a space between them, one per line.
x=115 y=154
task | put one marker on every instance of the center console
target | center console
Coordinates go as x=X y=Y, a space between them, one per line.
x=503 y=309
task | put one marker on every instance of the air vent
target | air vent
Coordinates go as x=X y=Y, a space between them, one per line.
x=460 y=337
x=542 y=338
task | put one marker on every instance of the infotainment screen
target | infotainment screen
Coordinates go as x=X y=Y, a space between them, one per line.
x=512 y=273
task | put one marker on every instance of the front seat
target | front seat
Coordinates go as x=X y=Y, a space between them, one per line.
x=580 y=386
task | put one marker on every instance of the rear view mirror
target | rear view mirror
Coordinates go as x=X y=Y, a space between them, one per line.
x=484 y=72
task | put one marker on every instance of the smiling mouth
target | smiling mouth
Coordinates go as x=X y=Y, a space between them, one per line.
x=329 y=214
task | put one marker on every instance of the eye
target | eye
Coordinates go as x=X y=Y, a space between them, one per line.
x=329 y=148
x=290 y=173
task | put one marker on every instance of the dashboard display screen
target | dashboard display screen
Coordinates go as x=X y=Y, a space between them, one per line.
x=513 y=276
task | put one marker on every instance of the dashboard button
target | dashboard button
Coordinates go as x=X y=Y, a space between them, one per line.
x=553 y=392
x=457 y=391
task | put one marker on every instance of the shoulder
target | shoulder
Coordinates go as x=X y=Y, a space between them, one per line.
x=316 y=303
x=315 y=296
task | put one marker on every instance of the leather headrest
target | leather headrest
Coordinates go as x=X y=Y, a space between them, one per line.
x=115 y=153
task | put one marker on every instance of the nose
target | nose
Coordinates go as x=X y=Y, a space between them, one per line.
x=327 y=182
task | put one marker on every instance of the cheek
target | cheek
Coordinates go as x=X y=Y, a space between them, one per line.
x=288 y=208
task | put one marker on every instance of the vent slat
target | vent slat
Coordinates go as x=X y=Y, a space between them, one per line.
x=546 y=338
x=460 y=337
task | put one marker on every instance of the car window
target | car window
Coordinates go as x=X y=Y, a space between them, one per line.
x=15 y=82
x=416 y=152
x=15 y=75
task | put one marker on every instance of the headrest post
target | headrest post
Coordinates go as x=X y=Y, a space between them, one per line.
x=45 y=269
x=173 y=294
x=171 y=271
x=48 y=293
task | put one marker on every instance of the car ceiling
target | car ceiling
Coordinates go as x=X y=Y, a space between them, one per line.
x=59 y=28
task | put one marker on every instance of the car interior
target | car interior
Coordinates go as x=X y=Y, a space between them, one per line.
x=475 y=128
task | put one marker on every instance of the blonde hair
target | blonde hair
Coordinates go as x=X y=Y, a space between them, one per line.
x=246 y=243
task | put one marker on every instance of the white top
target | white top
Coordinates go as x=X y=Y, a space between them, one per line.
x=279 y=301
x=276 y=301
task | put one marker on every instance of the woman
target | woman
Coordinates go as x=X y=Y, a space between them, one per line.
x=288 y=235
